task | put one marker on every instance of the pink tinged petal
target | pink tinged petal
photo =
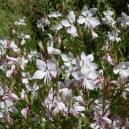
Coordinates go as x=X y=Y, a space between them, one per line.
x=97 y=81
x=12 y=58
x=127 y=124
x=13 y=96
x=52 y=50
x=88 y=84
x=71 y=17
x=25 y=112
x=81 y=20
x=65 y=23
x=41 y=65
x=25 y=80
x=56 y=51
x=9 y=73
x=39 y=74
x=106 y=120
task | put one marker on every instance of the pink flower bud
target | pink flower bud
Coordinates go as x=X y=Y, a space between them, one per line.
x=25 y=112
x=12 y=59
x=13 y=96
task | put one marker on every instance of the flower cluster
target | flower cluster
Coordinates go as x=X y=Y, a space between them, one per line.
x=54 y=84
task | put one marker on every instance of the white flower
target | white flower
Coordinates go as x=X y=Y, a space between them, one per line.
x=25 y=112
x=71 y=29
x=24 y=62
x=14 y=46
x=68 y=59
x=54 y=103
x=108 y=18
x=47 y=70
x=33 y=53
x=13 y=59
x=23 y=93
x=54 y=14
x=94 y=35
x=87 y=76
x=108 y=58
x=50 y=48
x=23 y=37
x=123 y=69
x=87 y=73
x=9 y=72
x=65 y=93
x=113 y=36
x=21 y=21
x=88 y=19
x=56 y=27
x=42 y=23
x=124 y=20
x=3 y=46
x=108 y=13
x=66 y=83
x=33 y=90
x=26 y=78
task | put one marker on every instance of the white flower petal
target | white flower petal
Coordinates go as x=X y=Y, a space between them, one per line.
x=64 y=57
x=41 y=65
x=53 y=72
x=88 y=84
x=23 y=41
x=39 y=74
x=93 y=10
x=51 y=63
x=76 y=75
x=85 y=69
x=106 y=120
x=93 y=75
x=83 y=56
x=71 y=17
x=81 y=20
x=65 y=23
